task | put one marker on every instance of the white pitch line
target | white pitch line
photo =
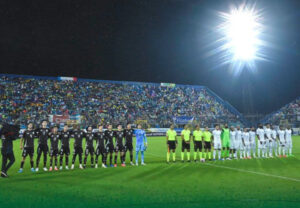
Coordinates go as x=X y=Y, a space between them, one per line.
x=253 y=172
x=242 y=170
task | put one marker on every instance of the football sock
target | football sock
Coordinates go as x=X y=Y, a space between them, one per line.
x=104 y=159
x=131 y=156
x=168 y=156
x=92 y=160
x=22 y=164
x=110 y=158
x=61 y=161
x=174 y=156
x=142 y=156
x=45 y=160
x=80 y=158
x=116 y=158
x=136 y=156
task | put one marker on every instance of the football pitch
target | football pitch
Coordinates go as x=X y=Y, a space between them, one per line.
x=236 y=183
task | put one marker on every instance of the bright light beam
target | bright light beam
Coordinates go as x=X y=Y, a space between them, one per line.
x=240 y=32
x=242 y=35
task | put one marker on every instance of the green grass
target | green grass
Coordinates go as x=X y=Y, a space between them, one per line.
x=238 y=183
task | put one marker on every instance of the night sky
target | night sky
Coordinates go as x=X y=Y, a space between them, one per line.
x=152 y=41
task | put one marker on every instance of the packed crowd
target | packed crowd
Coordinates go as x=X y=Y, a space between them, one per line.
x=35 y=99
x=290 y=113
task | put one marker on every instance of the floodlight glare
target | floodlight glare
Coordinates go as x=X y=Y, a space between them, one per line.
x=242 y=34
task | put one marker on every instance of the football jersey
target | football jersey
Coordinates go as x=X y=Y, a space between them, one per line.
x=281 y=134
x=89 y=138
x=207 y=136
x=128 y=133
x=43 y=135
x=232 y=135
x=65 y=138
x=186 y=135
x=54 y=138
x=28 y=137
x=261 y=134
x=78 y=136
x=252 y=136
x=268 y=133
x=274 y=134
x=119 y=135
x=288 y=134
x=171 y=135
x=217 y=136
x=238 y=135
x=246 y=137
x=109 y=135
x=100 y=137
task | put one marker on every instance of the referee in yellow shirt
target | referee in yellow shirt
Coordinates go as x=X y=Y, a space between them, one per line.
x=207 y=143
x=198 y=140
x=171 y=143
x=186 y=139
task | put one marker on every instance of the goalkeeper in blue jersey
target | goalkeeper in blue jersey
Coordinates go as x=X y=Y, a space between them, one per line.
x=141 y=144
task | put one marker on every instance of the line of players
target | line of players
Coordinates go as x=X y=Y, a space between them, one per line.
x=231 y=143
x=105 y=146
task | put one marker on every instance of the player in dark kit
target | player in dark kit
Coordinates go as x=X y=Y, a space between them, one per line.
x=119 y=136
x=89 y=146
x=54 y=138
x=27 y=145
x=64 y=147
x=128 y=133
x=43 y=136
x=109 y=135
x=78 y=135
x=100 y=147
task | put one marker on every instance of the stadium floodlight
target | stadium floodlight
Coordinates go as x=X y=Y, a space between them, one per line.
x=240 y=32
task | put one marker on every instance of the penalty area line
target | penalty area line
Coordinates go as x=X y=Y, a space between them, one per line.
x=241 y=170
x=253 y=172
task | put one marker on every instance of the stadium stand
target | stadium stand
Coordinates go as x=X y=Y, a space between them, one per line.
x=35 y=98
x=287 y=115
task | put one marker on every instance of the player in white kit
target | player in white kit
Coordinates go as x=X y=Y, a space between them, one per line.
x=288 y=139
x=261 y=141
x=238 y=141
x=246 y=143
x=232 y=134
x=269 y=140
x=274 y=141
x=252 y=142
x=217 y=142
x=281 y=140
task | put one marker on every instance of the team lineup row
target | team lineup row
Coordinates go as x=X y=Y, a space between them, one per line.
x=105 y=146
x=228 y=143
